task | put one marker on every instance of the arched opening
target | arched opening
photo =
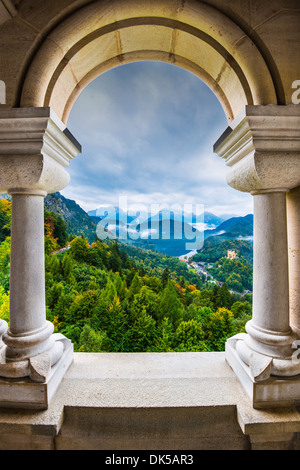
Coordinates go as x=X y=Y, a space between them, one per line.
x=149 y=128
x=99 y=37
x=147 y=131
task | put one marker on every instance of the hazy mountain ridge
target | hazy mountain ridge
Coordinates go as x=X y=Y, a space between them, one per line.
x=167 y=232
x=234 y=227
x=170 y=231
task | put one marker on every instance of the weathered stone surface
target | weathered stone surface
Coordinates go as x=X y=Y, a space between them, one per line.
x=293 y=218
x=226 y=45
x=150 y=401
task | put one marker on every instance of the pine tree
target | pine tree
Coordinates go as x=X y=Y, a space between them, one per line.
x=165 y=337
x=93 y=341
x=169 y=305
x=143 y=332
x=145 y=299
x=134 y=288
x=67 y=267
x=165 y=277
x=115 y=263
x=218 y=327
x=224 y=298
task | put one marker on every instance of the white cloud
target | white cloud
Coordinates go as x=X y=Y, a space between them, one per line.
x=147 y=131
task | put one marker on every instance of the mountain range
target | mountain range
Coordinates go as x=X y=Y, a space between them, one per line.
x=111 y=212
x=168 y=233
x=235 y=227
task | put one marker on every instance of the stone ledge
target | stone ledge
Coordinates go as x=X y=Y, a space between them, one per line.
x=25 y=393
x=124 y=401
x=271 y=392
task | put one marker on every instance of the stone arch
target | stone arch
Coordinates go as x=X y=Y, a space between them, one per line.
x=189 y=34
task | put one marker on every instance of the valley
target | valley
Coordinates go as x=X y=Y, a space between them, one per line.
x=109 y=296
x=171 y=234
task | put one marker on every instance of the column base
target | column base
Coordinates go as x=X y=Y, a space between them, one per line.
x=264 y=390
x=28 y=394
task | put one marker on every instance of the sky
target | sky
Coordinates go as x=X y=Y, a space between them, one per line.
x=147 y=131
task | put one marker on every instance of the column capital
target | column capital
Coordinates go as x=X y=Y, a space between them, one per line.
x=262 y=148
x=35 y=150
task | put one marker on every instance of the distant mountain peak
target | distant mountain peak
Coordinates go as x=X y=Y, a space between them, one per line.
x=77 y=220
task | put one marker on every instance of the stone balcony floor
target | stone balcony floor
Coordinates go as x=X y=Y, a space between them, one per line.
x=148 y=401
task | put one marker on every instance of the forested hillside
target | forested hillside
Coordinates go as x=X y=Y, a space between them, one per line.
x=215 y=248
x=238 y=272
x=109 y=297
x=76 y=219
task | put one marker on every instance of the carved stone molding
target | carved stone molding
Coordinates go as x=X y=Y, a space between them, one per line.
x=263 y=148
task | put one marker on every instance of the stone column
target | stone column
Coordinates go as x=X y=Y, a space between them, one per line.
x=270 y=266
x=29 y=334
x=262 y=151
x=27 y=257
x=293 y=206
x=35 y=150
x=269 y=331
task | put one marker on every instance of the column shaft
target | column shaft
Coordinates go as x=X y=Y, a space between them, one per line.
x=29 y=333
x=27 y=277
x=269 y=331
x=293 y=206
x=270 y=263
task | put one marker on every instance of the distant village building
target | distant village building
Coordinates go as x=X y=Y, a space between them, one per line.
x=231 y=254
